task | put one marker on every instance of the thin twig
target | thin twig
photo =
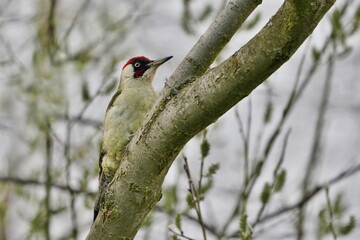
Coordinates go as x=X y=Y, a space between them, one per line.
x=202 y=160
x=241 y=202
x=52 y=45
x=331 y=213
x=275 y=176
x=48 y=183
x=316 y=150
x=12 y=56
x=180 y=234
x=351 y=171
x=292 y=99
x=75 y=19
x=98 y=92
x=277 y=130
x=68 y=176
x=83 y=121
x=245 y=137
x=311 y=194
x=33 y=182
x=195 y=196
x=209 y=228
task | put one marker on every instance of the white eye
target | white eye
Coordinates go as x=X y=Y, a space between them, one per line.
x=137 y=65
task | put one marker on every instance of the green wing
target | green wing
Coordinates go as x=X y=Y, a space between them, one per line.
x=102 y=179
x=102 y=150
x=111 y=103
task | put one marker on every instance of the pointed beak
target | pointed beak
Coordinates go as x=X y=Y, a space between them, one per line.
x=157 y=63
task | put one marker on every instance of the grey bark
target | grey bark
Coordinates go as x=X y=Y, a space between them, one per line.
x=193 y=102
x=204 y=52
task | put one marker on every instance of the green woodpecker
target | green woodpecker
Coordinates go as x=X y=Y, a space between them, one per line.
x=124 y=115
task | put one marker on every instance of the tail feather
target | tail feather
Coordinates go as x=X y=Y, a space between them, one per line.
x=97 y=204
x=96 y=212
x=99 y=198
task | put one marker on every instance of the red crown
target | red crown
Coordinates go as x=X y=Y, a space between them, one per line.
x=135 y=58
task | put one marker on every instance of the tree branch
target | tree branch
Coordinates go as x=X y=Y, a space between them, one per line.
x=210 y=44
x=189 y=107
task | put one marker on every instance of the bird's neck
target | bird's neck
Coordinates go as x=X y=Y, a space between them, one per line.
x=141 y=82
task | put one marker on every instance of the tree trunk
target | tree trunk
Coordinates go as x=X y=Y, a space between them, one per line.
x=196 y=99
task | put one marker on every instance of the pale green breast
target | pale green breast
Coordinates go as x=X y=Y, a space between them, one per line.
x=122 y=120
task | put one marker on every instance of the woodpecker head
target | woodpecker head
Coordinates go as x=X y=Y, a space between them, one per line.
x=140 y=69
